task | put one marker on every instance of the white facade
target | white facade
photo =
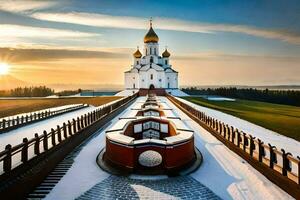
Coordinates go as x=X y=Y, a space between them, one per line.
x=151 y=70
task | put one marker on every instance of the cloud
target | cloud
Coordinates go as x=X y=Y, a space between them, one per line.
x=17 y=55
x=100 y=20
x=15 y=35
x=23 y=6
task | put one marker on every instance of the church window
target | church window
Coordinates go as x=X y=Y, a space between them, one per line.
x=154 y=51
x=151 y=59
x=150 y=50
x=151 y=76
x=146 y=52
x=137 y=62
x=134 y=85
x=168 y=85
x=159 y=80
x=166 y=62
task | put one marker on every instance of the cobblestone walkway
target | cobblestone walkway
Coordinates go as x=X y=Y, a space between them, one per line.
x=184 y=187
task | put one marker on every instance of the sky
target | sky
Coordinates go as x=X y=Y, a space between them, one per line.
x=229 y=42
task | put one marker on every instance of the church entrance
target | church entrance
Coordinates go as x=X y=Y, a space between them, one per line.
x=151 y=87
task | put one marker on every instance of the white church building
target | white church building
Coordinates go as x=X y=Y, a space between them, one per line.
x=150 y=70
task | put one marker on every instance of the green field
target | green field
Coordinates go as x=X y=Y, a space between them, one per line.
x=282 y=119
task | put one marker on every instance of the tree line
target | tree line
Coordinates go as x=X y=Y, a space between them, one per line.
x=288 y=97
x=34 y=91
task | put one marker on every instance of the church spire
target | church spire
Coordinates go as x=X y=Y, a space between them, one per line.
x=151 y=35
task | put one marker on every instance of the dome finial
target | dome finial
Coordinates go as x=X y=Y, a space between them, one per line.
x=151 y=22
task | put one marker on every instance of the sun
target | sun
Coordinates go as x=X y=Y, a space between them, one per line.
x=4 y=68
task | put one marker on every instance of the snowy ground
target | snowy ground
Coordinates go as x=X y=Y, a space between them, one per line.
x=39 y=111
x=280 y=141
x=225 y=173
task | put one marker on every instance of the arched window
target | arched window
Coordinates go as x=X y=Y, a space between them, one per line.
x=137 y=62
x=134 y=85
x=151 y=76
x=150 y=50
x=151 y=59
x=168 y=85
x=166 y=62
x=154 y=51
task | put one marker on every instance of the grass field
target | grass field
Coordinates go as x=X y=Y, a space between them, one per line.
x=282 y=119
x=16 y=106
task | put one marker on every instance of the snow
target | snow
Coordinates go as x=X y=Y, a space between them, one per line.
x=126 y=92
x=268 y=136
x=224 y=172
x=39 y=111
x=176 y=92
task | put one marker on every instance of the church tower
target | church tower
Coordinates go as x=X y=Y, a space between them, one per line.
x=151 y=70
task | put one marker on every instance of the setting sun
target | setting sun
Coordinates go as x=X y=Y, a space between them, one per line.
x=4 y=68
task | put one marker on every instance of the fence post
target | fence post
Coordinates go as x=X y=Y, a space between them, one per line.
x=36 y=144
x=244 y=141
x=69 y=128
x=13 y=121
x=58 y=134
x=45 y=140
x=285 y=162
x=34 y=116
x=4 y=123
x=252 y=145
x=85 y=120
x=81 y=121
x=22 y=119
x=233 y=135
x=26 y=118
x=24 y=153
x=53 y=137
x=7 y=159
x=78 y=124
x=74 y=126
x=272 y=156
x=238 y=138
x=298 y=170
x=65 y=130
x=260 y=150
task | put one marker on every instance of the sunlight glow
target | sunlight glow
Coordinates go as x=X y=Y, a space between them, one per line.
x=4 y=68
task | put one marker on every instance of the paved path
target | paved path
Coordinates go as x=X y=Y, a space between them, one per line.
x=114 y=187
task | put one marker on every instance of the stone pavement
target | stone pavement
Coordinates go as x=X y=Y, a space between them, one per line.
x=116 y=187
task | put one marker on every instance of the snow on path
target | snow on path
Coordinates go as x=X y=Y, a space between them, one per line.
x=85 y=172
x=224 y=172
x=16 y=136
x=266 y=135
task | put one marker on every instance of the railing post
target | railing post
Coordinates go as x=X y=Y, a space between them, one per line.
x=81 y=121
x=58 y=133
x=65 y=130
x=252 y=145
x=238 y=138
x=26 y=118
x=7 y=159
x=24 y=153
x=260 y=150
x=233 y=135
x=53 y=137
x=4 y=123
x=298 y=170
x=74 y=126
x=78 y=124
x=244 y=141
x=272 y=156
x=45 y=140
x=22 y=119
x=285 y=162
x=85 y=120
x=36 y=144
x=69 y=128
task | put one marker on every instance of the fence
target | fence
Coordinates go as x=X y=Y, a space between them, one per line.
x=14 y=156
x=10 y=124
x=271 y=161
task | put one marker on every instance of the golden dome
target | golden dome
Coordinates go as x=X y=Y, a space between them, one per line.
x=166 y=54
x=151 y=35
x=137 y=54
